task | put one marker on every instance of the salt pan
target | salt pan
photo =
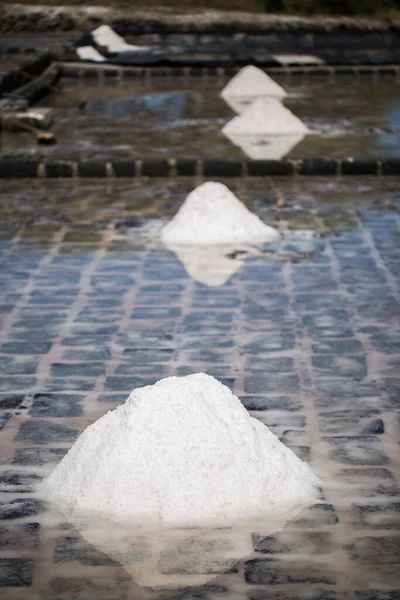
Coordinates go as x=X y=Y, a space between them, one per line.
x=213 y=215
x=183 y=452
x=248 y=85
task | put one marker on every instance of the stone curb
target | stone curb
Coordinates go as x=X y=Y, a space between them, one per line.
x=19 y=78
x=14 y=167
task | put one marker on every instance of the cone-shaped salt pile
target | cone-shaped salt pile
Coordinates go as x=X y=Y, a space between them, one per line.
x=212 y=215
x=248 y=85
x=265 y=116
x=183 y=452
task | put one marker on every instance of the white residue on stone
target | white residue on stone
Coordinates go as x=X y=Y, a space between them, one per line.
x=213 y=215
x=183 y=452
x=265 y=116
x=106 y=36
x=248 y=85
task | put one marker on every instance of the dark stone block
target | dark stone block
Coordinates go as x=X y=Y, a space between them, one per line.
x=18 y=536
x=56 y=405
x=339 y=347
x=124 y=167
x=18 y=168
x=376 y=550
x=349 y=366
x=285 y=403
x=117 y=398
x=360 y=166
x=318 y=166
x=155 y=167
x=303 y=593
x=92 y=168
x=358 y=450
x=274 y=342
x=18 y=481
x=12 y=365
x=186 y=167
x=45 y=432
x=268 y=572
x=378 y=594
x=100 y=588
x=378 y=516
x=20 y=507
x=68 y=384
x=391 y=166
x=142 y=356
x=16 y=572
x=127 y=383
x=370 y=482
x=259 y=168
x=8 y=384
x=217 y=167
x=38 y=456
x=4 y=418
x=26 y=347
x=345 y=388
x=283 y=364
x=155 y=312
x=59 y=168
x=76 y=549
x=289 y=542
x=84 y=369
x=11 y=401
x=257 y=384
x=319 y=515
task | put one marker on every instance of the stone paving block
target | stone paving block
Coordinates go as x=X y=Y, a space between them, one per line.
x=20 y=507
x=16 y=383
x=257 y=384
x=355 y=421
x=39 y=456
x=358 y=450
x=4 y=418
x=56 y=405
x=294 y=593
x=104 y=588
x=383 y=594
x=45 y=432
x=378 y=516
x=85 y=369
x=16 y=572
x=14 y=482
x=306 y=543
x=15 y=366
x=376 y=550
x=269 y=572
x=369 y=482
x=319 y=515
x=76 y=549
x=25 y=347
x=19 y=536
x=284 y=403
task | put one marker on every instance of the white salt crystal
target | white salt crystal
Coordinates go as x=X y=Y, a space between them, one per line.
x=248 y=85
x=212 y=215
x=183 y=452
x=265 y=116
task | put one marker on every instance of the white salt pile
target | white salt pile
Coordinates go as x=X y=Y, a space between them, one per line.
x=183 y=452
x=265 y=116
x=213 y=215
x=248 y=85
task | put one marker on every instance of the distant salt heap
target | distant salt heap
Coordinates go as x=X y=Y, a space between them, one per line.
x=248 y=85
x=182 y=453
x=213 y=215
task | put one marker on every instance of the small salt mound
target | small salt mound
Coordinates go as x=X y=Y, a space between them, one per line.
x=248 y=85
x=212 y=215
x=265 y=116
x=182 y=452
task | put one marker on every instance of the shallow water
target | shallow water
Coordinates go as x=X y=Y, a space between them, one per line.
x=184 y=116
x=305 y=332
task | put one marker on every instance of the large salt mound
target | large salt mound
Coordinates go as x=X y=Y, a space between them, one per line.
x=248 y=85
x=183 y=452
x=212 y=215
x=265 y=116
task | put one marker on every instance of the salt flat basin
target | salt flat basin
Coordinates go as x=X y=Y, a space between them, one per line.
x=184 y=117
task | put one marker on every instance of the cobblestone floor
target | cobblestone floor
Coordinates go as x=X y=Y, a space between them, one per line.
x=306 y=333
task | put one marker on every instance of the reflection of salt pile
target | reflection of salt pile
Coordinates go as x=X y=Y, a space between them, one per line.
x=209 y=265
x=212 y=214
x=172 y=558
x=266 y=129
x=183 y=452
x=248 y=85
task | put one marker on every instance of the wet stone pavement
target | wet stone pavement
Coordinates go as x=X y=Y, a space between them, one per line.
x=305 y=332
